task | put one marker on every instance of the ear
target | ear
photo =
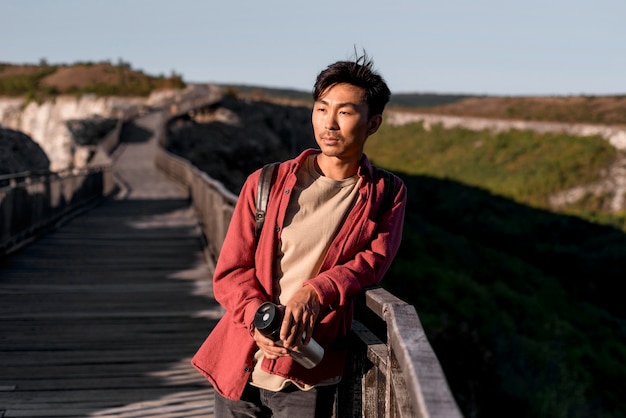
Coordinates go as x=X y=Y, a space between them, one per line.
x=374 y=123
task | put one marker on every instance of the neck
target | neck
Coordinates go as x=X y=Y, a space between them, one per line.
x=335 y=168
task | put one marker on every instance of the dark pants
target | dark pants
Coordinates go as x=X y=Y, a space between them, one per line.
x=289 y=403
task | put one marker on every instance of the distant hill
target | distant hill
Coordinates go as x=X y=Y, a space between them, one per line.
x=37 y=81
x=610 y=110
x=408 y=100
x=101 y=78
x=570 y=109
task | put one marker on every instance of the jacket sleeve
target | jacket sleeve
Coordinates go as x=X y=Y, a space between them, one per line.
x=235 y=285
x=365 y=258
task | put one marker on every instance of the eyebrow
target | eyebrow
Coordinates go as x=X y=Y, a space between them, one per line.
x=342 y=104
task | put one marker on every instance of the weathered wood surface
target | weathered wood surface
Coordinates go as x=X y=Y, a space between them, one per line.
x=414 y=376
x=100 y=317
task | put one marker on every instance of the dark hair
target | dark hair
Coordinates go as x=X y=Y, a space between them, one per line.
x=358 y=73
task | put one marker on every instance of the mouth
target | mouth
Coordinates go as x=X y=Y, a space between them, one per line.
x=330 y=139
x=329 y=142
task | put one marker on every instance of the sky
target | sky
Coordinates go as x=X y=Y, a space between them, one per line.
x=491 y=47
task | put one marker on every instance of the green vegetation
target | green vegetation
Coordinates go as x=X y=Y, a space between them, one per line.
x=522 y=305
x=104 y=79
x=26 y=82
x=522 y=165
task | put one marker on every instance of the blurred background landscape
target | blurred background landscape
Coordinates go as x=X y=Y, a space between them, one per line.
x=514 y=247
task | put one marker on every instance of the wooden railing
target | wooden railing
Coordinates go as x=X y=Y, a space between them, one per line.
x=213 y=203
x=396 y=374
x=32 y=202
x=393 y=375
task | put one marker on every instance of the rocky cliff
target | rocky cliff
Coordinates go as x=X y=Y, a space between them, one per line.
x=235 y=136
x=614 y=134
x=67 y=127
x=70 y=128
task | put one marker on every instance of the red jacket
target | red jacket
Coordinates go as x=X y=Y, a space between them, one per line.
x=358 y=257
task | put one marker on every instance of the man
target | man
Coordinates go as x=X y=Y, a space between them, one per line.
x=328 y=234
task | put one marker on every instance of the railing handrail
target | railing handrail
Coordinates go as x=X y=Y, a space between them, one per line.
x=407 y=342
x=186 y=165
x=21 y=174
x=33 y=201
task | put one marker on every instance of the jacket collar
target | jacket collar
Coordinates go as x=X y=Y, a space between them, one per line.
x=365 y=166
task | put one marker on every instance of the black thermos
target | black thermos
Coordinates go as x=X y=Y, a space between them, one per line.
x=268 y=319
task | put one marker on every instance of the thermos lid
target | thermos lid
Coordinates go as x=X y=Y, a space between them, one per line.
x=267 y=318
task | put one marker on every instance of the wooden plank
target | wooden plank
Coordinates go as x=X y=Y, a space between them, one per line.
x=101 y=316
x=197 y=403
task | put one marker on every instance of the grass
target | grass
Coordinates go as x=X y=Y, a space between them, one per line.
x=38 y=82
x=521 y=304
x=522 y=165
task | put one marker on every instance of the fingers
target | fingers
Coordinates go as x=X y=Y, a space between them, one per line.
x=293 y=328
x=271 y=349
x=300 y=316
x=308 y=332
x=288 y=329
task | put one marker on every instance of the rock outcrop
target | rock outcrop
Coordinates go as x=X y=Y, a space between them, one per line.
x=50 y=124
x=615 y=135
x=19 y=153
x=235 y=137
x=90 y=131
x=70 y=128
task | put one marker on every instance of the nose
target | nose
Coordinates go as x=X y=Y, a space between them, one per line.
x=330 y=121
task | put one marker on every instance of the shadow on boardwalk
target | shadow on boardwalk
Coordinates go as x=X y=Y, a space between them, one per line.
x=101 y=317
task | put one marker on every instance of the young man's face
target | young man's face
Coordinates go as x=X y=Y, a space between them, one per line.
x=341 y=123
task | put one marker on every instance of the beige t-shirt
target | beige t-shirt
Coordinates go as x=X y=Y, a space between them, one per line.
x=317 y=208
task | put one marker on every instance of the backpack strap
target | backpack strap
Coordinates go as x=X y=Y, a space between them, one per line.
x=262 y=195
x=265 y=184
x=390 y=187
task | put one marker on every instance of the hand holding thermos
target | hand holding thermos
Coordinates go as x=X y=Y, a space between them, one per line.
x=268 y=320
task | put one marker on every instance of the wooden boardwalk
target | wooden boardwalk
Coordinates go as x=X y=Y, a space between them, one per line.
x=100 y=317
